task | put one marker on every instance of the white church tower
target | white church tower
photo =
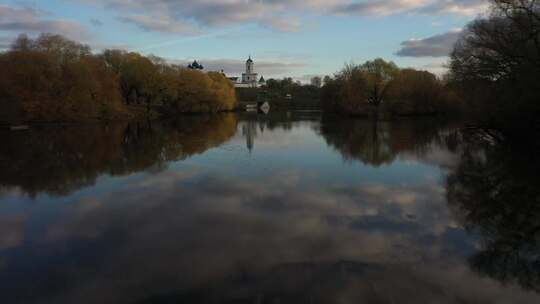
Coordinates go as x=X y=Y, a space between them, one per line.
x=249 y=66
x=249 y=78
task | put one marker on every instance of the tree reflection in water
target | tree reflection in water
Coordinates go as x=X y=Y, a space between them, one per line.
x=313 y=230
x=59 y=160
x=380 y=143
x=495 y=192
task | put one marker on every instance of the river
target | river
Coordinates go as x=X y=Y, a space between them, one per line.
x=289 y=207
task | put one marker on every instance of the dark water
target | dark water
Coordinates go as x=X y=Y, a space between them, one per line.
x=286 y=208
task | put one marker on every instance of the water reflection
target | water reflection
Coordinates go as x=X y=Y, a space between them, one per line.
x=495 y=193
x=379 y=143
x=59 y=160
x=308 y=228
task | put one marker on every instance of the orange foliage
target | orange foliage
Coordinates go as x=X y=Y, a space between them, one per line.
x=54 y=79
x=51 y=78
x=418 y=92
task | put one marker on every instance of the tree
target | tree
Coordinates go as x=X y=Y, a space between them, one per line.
x=139 y=76
x=378 y=75
x=497 y=62
x=316 y=81
x=354 y=89
x=326 y=79
x=331 y=99
x=22 y=43
x=52 y=78
x=362 y=88
x=223 y=97
x=416 y=92
x=277 y=89
x=378 y=86
x=195 y=91
x=504 y=46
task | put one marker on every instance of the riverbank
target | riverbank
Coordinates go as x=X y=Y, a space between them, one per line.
x=54 y=79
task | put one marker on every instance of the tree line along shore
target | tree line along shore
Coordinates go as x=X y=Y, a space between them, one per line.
x=51 y=78
x=493 y=80
x=493 y=75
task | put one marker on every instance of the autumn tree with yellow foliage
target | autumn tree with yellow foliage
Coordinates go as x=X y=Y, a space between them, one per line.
x=51 y=78
x=54 y=79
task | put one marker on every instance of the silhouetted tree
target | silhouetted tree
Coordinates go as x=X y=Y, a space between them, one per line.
x=316 y=81
x=496 y=62
x=378 y=74
x=417 y=92
x=494 y=193
x=379 y=86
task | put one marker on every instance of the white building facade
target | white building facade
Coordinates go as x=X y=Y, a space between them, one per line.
x=249 y=77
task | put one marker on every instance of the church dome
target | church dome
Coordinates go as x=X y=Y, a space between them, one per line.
x=249 y=59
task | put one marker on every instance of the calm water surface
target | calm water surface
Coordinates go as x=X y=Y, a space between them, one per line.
x=285 y=208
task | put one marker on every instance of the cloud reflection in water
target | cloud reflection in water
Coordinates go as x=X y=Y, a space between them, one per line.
x=192 y=233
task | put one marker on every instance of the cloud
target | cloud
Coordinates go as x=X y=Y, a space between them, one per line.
x=220 y=233
x=200 y=226
x=270 y=13
x=28 y=20
x=391 y=7
x=458 y=7
x=437 y=68
x=162 y=24
x=379 y=7
x=435 y=46
x=283 y=24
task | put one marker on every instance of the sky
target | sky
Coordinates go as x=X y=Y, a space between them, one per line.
x=285 y=38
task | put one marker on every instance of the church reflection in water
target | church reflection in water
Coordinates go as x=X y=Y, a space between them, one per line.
x=321 y=210
x=249 y=130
